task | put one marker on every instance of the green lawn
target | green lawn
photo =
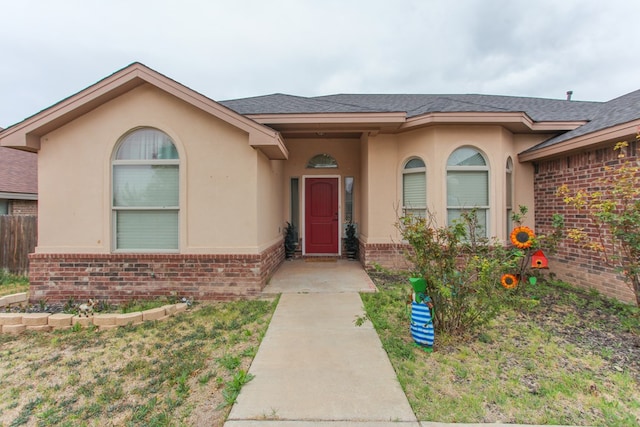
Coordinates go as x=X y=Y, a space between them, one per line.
x=12 y=284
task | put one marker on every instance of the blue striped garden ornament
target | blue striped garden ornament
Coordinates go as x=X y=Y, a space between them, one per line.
x=421 y=324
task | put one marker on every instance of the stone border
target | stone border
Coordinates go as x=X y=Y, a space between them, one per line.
x=13 y=299
x=16 y=323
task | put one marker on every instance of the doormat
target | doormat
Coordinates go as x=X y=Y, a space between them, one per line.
x=320 y=259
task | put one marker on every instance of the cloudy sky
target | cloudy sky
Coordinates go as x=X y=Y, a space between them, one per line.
x=237 y=48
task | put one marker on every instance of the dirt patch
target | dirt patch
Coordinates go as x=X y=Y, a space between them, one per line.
x=592 y=325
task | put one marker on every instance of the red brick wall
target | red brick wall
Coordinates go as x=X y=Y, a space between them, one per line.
x=121 y=277
x=387 y=255
x=574 y=264
x=23 y=207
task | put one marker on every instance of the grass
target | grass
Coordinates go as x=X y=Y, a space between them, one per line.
x=12 y=283
x=179 y=372
x=142 y=305
x=542 y=362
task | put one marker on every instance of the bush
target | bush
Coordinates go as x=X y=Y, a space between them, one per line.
x=462 y=270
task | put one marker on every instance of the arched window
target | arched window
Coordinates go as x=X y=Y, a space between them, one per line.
x=468 y=185
x=414 y=188
x=509 y=194
x=145 y=192
x=322 y=161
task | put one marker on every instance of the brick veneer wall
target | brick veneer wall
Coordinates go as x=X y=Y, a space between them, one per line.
x=572 y=263
x=23 y=207
x=121 y=277
x=387 y=255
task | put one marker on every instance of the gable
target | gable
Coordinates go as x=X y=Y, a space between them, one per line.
x=26 y=134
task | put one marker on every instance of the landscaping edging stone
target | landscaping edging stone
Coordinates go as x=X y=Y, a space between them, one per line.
x=16 y=323
x=13 y=299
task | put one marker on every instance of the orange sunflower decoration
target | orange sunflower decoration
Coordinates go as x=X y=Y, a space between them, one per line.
x=522 y=237
x=509 y=281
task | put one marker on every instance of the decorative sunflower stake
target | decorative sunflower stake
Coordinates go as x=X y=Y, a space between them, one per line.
x=522 y=237
x=509 y=281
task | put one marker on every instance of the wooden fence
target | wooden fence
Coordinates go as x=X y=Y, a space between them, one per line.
x=18 y=237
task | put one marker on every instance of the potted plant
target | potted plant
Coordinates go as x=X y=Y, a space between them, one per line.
x=351 y=241
x=290 y=240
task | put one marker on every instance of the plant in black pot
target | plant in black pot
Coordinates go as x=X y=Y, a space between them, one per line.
x=290 y=240
x=351 y=241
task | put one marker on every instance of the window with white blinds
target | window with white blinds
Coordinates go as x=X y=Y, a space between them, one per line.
x=468 y=185
x=414 y=188
x=145 y=200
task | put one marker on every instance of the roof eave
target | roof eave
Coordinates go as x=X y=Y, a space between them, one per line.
x=18 y=196
x=26 y=134
x=594 y=139
x=331 y=122
x=514 y=121
x=273 y=148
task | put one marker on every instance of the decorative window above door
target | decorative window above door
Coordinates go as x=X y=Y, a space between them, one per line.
x=322 y=161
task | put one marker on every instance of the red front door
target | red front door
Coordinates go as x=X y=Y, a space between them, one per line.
x=321 y=216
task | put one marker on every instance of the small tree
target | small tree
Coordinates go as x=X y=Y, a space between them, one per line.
x=613 y=209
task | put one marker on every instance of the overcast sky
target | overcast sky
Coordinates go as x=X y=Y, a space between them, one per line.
x=50 y=50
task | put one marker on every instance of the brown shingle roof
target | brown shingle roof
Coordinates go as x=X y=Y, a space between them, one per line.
x=18 y=171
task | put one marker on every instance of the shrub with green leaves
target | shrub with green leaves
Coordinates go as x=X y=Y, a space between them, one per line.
x=465 y=271
x=462 y=270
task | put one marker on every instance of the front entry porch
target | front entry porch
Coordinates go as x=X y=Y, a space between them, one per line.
x=329 y=276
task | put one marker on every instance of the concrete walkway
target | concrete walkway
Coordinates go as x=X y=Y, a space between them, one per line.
x=315 y=368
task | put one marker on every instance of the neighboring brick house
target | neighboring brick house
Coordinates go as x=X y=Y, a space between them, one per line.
x=150 y=188
x=18 y=208
x=18 y=182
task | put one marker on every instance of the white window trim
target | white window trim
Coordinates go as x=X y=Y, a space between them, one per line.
x=486 y=168
x=115 y=209
x=410 y=171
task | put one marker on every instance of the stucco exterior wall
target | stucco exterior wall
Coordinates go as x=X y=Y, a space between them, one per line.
x=229 y=219
x=385 y=156
x=382 y=192
x=524 y=175
x=270 y=199
x=363 y=224
x=218 y=175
